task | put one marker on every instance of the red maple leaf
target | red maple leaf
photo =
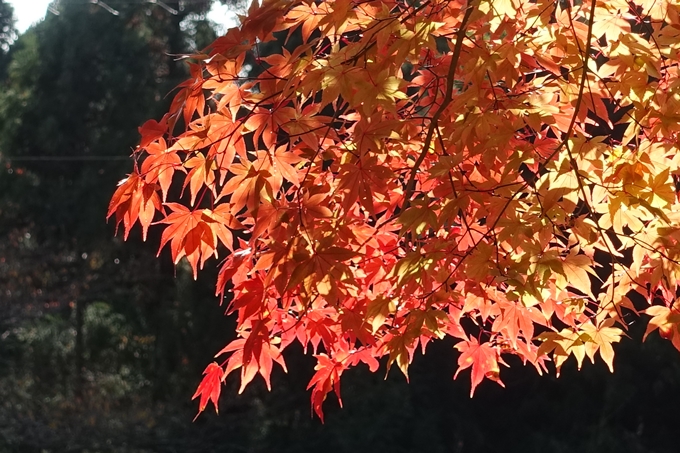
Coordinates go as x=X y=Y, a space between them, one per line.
x=210 y=387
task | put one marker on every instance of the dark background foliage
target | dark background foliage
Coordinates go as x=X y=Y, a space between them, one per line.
x=102 y=344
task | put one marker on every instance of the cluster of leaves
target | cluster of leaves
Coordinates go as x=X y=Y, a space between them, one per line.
x=416 y=170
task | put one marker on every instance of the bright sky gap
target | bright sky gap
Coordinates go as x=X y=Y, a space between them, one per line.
x=29 y=12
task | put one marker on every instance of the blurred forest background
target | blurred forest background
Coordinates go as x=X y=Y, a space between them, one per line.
x=102 y=344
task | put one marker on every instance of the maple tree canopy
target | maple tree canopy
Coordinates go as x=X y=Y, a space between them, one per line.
x=502 y=172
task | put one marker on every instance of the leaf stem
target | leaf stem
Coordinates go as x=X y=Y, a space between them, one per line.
x=448 y=97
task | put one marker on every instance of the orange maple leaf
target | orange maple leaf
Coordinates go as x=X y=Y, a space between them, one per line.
x=483 y=358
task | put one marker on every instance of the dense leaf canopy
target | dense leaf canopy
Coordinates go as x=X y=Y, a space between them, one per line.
x=501 y=172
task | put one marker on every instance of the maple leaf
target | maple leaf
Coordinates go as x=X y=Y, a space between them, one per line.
x=194 y=234
x=189 y=99
x=326 y=379
x=602 y=338
x=202 y=174
x=151 y=131
x=576 y=269
x=483 y=358
x=210 y=387
x=401 y=348
x=160 y=165
x=667 y=321
x=134 y=200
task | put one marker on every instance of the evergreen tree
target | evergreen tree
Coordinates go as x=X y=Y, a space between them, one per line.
x=7 y=30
